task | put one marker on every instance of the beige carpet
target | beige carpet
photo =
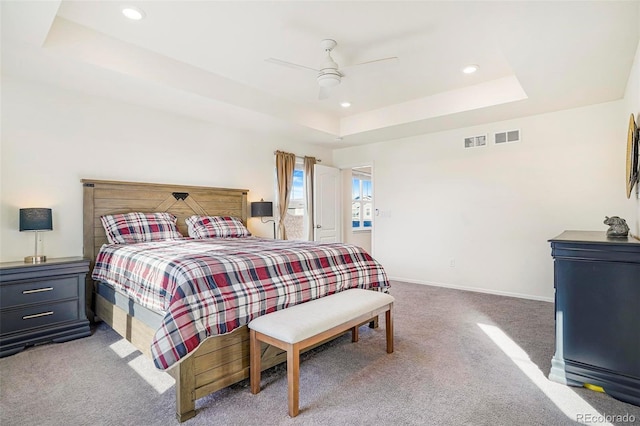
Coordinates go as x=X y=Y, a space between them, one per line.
x=460 y=358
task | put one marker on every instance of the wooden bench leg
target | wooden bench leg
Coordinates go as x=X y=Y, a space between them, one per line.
x=293 y=378
x=254 y=362
x=374 y=322
x=389 y=328
x=354 y=334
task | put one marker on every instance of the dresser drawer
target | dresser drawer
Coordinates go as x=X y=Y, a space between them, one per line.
x=29 y=317
x=57 y=288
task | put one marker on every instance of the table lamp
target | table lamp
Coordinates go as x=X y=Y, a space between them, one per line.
x=264 y=209
x=36 y=220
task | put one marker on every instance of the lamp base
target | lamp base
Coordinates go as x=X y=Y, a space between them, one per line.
x=35 y=259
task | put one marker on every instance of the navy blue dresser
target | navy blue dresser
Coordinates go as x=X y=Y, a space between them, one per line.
x=597 y=301
x=42 y=302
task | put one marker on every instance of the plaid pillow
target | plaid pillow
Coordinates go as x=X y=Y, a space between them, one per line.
x=129 y=228
x=216 y=227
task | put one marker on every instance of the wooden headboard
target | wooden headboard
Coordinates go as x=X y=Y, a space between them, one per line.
x=109 y=197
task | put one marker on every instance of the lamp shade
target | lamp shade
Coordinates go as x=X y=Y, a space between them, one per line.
x=262 y=209
x=36 y=219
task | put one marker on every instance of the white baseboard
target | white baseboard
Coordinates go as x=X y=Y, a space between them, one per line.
x=475 y=289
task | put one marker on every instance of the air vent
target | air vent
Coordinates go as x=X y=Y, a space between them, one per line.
x=475 y=141
x=508 y=136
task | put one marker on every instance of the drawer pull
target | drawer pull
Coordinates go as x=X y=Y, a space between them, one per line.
x=38 y=290
x=42 y=314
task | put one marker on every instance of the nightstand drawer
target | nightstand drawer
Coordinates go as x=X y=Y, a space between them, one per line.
x=39 y=291
x=12 y=320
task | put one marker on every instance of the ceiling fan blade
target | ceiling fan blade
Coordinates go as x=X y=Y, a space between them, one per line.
x=324 y=93
x=374 y=61
x=290 y=64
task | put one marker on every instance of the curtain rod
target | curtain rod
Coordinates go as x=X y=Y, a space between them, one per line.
x=318 y=160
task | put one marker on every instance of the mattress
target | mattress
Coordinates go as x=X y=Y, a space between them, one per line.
x=153 y=319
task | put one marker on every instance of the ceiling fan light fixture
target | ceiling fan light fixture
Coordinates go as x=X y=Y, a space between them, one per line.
x=328 y=80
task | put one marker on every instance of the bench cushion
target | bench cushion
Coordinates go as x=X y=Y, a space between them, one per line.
x=299 y=322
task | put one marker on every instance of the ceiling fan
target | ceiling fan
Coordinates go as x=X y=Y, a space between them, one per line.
x=328 y=74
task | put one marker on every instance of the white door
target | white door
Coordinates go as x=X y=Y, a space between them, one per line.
x=327 y=205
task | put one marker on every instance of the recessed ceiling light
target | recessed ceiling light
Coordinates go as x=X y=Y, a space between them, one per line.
x=133 y=13
x=345 y=104
x=470 y=69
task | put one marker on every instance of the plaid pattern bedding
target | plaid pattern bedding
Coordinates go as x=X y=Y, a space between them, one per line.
x=129 y=228
x=210 y=287
x=216 y=227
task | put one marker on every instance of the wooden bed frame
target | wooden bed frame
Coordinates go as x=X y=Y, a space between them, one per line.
x=220 y=360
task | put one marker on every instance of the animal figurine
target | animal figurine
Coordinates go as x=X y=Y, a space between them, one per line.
x=617 y=227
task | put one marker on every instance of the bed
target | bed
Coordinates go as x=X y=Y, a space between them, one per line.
x=215 y=361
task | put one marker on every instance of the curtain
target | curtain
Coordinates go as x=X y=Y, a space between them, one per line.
x=285 y=164
x=309 y=162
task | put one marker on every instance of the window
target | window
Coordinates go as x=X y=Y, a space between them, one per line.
x=362 y=201
x=297 y=199
x=294 y=220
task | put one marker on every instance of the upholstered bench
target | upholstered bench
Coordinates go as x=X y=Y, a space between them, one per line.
x=307 y=324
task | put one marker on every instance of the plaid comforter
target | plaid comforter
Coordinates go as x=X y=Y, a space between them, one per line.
x=213 y=286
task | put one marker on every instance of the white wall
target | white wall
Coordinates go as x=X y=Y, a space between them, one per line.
x=52 y=138
x=361 y=239
x=632 y=106
x=490 y=210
